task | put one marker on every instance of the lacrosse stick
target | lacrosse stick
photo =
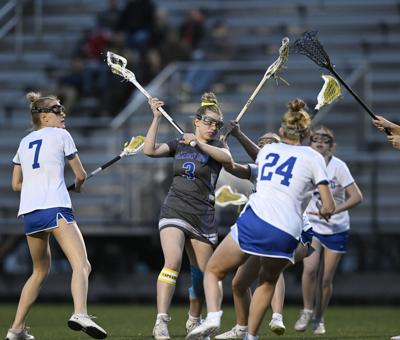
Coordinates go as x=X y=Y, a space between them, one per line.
x=273 y=71
x=118 y=64
x=131 y=148
x=309 y=45
x=330 y=91
x=225 y=196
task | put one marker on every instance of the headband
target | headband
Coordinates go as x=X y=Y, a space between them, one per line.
x=208 y=104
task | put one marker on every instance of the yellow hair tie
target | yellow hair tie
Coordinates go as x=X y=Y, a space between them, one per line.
x=207 y=104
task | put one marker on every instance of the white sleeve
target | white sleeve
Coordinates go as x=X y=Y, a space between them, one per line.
x=68 y=144
x=253 y=169
x=319 y=170
x=16 y=159
x=344 y=176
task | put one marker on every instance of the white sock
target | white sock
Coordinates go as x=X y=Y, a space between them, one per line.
x=308 y=310
x=243 y=328
x=194 y=318
x=277 y=316
x=251 y=337
x=214 y=315
x=161 y=314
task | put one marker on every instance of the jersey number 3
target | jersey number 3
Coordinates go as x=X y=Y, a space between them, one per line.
x=271 y=167
x=37 y=144
x=189 y=169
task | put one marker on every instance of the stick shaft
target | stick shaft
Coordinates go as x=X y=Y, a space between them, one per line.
x=100 y=168
x=163 y=112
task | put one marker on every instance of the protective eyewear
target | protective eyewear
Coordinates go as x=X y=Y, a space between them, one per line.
x=321 y=138
x=207 y=120
x=58 y=110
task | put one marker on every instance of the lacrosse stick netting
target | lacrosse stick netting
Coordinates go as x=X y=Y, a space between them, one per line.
x=330 y=91
x=273 y=71
x=118 y=64
x=309 y=45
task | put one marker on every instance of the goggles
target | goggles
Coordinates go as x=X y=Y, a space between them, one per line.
x=207 y=120
x=58 y=110
x=321 y=138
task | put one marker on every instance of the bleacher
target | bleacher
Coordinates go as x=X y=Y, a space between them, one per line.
x=361 y=37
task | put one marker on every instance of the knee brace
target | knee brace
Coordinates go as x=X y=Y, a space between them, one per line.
x=168 y=276
x=197 y=289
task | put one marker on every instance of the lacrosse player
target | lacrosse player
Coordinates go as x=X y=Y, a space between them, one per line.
x=187 y=218
x=330 y=238
x=45 y=206
x=247 y=273
x=382 y=124
x=271 y=223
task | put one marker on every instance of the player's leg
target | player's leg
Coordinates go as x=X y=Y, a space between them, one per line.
x=199 y=253
x=70 y=239
x=172 y=243
x=41 y=258
x=331 y=260
x=226 y=258
x=276 y=324
x=308 y=281
x=246 y=274
x=271 y=268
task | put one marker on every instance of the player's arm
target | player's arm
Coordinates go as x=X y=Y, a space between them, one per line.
x=353 y=197
x=221 y=155
x=79 y=172
x=250 y=147
x=150 y=148
x=328 y=204
x=17 y=177
x=382 y=123
x=238 y=170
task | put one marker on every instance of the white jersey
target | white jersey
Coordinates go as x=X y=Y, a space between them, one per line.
x=286 y=179
x=339 y=178
x=253 y=169
x=41 y=155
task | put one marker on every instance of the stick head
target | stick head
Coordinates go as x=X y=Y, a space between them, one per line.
x=134 y=146
x=225 y=196
x=309 y=45
x=330 y=91
x=278 y=65
x=117 y=64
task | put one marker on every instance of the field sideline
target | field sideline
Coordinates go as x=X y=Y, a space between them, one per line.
x=48 y=322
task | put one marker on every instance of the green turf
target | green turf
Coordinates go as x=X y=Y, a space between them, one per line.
x=48 y=322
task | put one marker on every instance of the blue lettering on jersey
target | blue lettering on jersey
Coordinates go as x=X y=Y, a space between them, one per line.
x=38 y=144
x=196 y=156
x=285 y=169
x=190 y=168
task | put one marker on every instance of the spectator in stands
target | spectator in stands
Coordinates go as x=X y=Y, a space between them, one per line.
x=109 y=18
x=271 y=224
x=137 y=20
x=187 y=218
x=192 y=30
x=330 y=237
x=46 y=207
x=382 y=124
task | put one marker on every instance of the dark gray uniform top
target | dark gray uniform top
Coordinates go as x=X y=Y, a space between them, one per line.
x=189 y=204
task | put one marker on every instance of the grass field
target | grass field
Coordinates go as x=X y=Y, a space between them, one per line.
x=48 y=322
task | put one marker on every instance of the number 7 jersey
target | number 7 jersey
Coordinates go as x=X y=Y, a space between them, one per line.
x=41 y=155
x=287 y=176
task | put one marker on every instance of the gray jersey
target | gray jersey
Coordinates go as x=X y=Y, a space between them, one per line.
x=190 y=200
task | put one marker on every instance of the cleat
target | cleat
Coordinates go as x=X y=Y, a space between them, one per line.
x=160 y=330
x=302 y=323
x=237 y=332
x=319 y=327
x=276 y=325
x=19 y=335
x=85 y=323
x=192 y=323
x=208 y=328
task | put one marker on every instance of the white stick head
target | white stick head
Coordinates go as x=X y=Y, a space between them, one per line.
x=116 y=59
x=225 y=196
